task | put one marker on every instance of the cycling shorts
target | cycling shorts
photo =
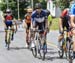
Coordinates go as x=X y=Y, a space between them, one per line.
x=8 y=23
x=41 y=26
x=28 y=26
x=65 y=24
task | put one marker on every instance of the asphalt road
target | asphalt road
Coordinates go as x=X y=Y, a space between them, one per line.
x=19 y=54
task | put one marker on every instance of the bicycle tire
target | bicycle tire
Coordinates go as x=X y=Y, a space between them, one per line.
x=34 y=51
x=40 y=51
x=61 y=51
x=67 y=46
x=44 y=51
x=71 y=51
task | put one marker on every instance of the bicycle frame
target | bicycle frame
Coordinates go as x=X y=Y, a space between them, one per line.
x=39 y=42
x=63 y=46
x=8 y=37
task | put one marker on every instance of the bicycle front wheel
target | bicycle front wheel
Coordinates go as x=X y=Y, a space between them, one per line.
x=34 y=51
x=71 y=52
x=44 y=51
x=61 y=51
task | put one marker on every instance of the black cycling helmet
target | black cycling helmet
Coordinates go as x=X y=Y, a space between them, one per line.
x=38 y=6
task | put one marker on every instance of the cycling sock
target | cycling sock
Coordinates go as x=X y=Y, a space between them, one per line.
x=74 y=54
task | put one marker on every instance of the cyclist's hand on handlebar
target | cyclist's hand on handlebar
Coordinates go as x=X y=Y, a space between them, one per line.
x=47 y=30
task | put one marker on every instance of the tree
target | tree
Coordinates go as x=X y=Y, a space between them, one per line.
x=63 y=3
x=24 y=4
x=13 y=6
x=44 y=4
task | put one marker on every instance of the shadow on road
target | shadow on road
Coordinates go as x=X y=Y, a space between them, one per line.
x=52 y=55
x=17 y=48
x=52 y=58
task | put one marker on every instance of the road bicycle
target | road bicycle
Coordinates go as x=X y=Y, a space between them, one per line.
x=64 y=45
x=8 y=37
x=40 y=46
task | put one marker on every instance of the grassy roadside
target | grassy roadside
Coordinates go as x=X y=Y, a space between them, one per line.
x=55 y=24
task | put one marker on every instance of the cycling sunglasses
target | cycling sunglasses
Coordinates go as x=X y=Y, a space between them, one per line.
x=37 y=8
x=8 y=12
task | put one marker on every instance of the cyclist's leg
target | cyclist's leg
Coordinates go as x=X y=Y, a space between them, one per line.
x=41 y=26
x=61 y=29
x=27 y=32
x=6 y=33
x=73 y=32
x=68 y=30
x=6 y=27
x=12 y=29
x=11 y=26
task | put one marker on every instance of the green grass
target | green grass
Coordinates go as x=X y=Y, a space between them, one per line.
x=55 y=24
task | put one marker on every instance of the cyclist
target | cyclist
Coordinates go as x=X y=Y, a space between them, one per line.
x=64 y=21
x=27 y=21
x=72 y=19
x=8 y=21
x=39 y=18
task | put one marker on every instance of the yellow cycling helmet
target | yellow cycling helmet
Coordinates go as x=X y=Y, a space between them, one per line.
x=29 y=10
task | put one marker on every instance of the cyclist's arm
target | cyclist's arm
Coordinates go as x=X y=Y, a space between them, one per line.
x=24 y=24
x=72 y=19
x=32 y=21
x=46 y=21
x=4 y=18
x=60 y=24
x=4 y=21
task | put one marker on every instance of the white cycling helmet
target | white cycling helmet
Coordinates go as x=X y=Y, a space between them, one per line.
x=8 y=11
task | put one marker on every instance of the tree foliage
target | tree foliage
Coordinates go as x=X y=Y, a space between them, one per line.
x=12 y=4
x=63 y=3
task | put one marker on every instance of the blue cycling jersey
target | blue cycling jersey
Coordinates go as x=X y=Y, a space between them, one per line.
x=72 y=11
x=39 y=17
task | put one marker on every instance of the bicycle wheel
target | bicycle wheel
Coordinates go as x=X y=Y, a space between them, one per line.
x=71 y=52
x=67 y=47
x=39 y=48
x=61 y=51
x=33 y=48
x=34 y=51
x=44 y=51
